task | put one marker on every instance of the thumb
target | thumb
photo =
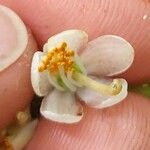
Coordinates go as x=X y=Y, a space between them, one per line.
x=15 y=88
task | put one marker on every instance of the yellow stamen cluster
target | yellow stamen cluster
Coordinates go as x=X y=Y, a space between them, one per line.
x=56 y=57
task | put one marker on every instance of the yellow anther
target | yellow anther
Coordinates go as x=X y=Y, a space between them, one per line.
x=64 y=45
x=70 y=53
x=41 y=67
x=49 y=55
x=45 y=59
x=51 y=52
x=53 y=68
x=62 y=63
x=55 y=57
x=70 y=62
x=56 y=50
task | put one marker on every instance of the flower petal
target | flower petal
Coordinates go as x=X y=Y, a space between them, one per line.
x=75 y=39
x=61 y=107
x=97 y=100
x=39 y=80
x=108 y=55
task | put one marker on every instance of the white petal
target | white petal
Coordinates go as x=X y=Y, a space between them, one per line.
x=108 y=55
x=25 y=134
x=97 y=100
x=10 y=21
x=39 y=80
x=75 y=39
x=61 y=107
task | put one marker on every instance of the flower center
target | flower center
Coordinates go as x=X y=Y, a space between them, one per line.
x=56 y=57
x=66 y=72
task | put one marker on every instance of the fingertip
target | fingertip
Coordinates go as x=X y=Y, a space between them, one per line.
x=123 y=124
x=15 y=89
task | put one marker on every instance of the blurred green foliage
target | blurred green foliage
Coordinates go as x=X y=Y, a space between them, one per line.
x=143 y=89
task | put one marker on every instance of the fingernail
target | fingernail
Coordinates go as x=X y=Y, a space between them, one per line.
x=13 y=37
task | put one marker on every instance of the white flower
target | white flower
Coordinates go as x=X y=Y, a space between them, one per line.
x=59 y=73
